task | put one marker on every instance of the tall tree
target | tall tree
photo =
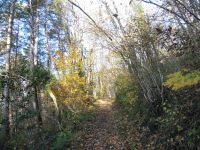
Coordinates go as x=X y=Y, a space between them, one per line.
x=34 y=39
x=6 y=90
x=49 y=61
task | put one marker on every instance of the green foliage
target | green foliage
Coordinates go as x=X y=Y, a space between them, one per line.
x=170 y=124
x=126 y=90
x=62 y=139
x=85 y=117
x=74 y=123
x=22 y=77
x=41 y=76
x=23 y=67
x=2 y=80
x=182 y=79
x=177 y=127
x=59 y=7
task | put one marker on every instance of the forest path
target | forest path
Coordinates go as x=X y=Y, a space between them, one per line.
x=101 y=133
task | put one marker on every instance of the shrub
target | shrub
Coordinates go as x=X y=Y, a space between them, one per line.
x=62 y=139
x=182 y=79
x=126 y=90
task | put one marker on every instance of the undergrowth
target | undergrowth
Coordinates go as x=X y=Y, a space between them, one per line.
x=176 y=124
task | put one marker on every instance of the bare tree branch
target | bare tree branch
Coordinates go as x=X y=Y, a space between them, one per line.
x=76 y=5
x=166 y=9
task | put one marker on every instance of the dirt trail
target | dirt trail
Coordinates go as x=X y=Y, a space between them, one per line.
x=102 y=132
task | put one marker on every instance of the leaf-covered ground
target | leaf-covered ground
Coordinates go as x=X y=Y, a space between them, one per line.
x=101 y=132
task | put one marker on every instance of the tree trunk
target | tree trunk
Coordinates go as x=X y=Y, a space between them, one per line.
x=47 y=38
x=34 y=52
x=6 y=90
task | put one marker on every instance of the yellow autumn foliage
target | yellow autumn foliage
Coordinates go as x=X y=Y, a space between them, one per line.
x=70 y=87
x=182 y=79
x=60 y=61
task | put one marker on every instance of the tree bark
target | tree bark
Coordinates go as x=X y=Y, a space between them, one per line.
x=47 y=39
x=34 y=59
x=6 y=90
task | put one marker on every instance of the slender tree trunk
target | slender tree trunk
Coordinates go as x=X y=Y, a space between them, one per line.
x=34 y=52
x=47 y=39
x=32 y=35
x=6 y=91
x=36 y=101
x=37 y=23
x=36 y=106
x=14 y=92
x=16 y=43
